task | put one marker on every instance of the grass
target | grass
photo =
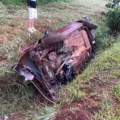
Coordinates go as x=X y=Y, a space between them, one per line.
x=45 y=113
x=117 y=91
x=103 y=70
x=106 y=70
x=21 y=2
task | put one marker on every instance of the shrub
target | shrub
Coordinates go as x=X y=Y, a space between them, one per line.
x=13 y=2
x=113 y=19
x=113 y=16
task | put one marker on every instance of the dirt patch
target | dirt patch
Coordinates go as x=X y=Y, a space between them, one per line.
x=108 y=92
x=14 y=116
x=83 y=109
x=73 y=115
x=7 y=31
x=17 y=116
x=2 y=59
x=4 y=37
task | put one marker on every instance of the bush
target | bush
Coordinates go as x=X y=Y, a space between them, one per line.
x=13 y=2
x=113 y=16
x=113 y=19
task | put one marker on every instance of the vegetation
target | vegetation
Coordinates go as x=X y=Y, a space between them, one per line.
x=113 y=16
x=98 y=85
x=117 y=91
x=20 y=2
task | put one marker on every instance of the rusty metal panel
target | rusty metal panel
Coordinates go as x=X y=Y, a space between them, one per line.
x=86 y=39
x=70 y=28
x=75 y=39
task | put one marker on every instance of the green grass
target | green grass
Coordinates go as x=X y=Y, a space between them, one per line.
x=14 y=98
x=45 y=113
x=21 y=2
x=105 y=68
x=117 y=91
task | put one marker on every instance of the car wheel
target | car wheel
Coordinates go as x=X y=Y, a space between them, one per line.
x=53 y=39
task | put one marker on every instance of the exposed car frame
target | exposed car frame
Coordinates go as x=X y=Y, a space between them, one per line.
x=57 y=58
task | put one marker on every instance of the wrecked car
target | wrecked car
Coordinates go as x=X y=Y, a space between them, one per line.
x=57 y=58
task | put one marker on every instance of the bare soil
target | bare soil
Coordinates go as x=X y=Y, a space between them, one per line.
x=82 y=109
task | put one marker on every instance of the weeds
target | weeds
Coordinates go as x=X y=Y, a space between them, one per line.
x=45 y=113
x=71 y=92
x=113 y=16
x=117 y=91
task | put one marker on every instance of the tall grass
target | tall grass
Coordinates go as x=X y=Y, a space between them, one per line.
x=48 y=1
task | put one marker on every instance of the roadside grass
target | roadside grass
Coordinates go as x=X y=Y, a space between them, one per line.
x=15 y=96
x=117 y=91
x=21 y=2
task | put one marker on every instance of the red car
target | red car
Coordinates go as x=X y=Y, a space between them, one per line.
x=56 y=59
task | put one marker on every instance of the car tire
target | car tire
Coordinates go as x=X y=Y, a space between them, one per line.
x=90 y=25
x=53 y=39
